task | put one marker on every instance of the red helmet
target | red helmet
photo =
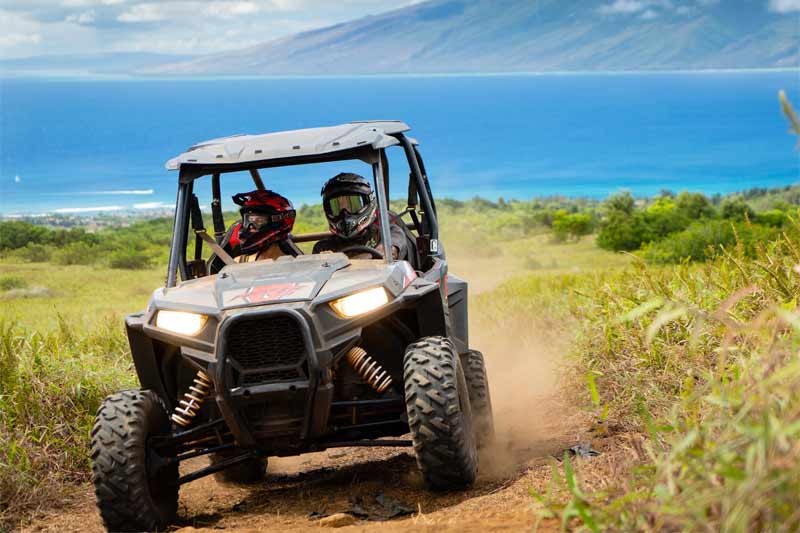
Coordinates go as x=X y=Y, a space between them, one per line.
x=267 y=217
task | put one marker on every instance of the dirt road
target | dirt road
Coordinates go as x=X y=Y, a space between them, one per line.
x=533 y=426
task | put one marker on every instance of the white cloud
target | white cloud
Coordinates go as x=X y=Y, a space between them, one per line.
x=623 y=6
x=16 y=39
x=231 y=9
x=784 y=6
x=143 y=13
x=155 y=12
x=86 y=18
x=649 y=14
x=91 y=3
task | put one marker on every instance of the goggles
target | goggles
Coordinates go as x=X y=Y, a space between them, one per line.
x=260 y=221
x=350 y=203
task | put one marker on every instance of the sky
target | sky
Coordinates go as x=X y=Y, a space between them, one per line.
x=36 y=27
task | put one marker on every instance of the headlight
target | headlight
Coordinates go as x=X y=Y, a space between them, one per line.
x=361 y=302
x=180 y=322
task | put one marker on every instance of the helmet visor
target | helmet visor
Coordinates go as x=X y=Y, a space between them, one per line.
x=350 y=203
x=260 y=221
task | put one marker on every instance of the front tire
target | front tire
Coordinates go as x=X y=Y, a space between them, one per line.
x=439 y=414
x=129 y=496
x=479 y=398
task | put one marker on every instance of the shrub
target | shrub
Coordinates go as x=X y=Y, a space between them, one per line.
x=8 y=283
x=76 y=253
x=33 y=253
x=572 y=226
x=774 y=218
x=694 y=205
x=702 y=241
x=735 y=208
x=129 y=259
x=623 y=232
x=16 y=234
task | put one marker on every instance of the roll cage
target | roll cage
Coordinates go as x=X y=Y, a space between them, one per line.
x=364 y=141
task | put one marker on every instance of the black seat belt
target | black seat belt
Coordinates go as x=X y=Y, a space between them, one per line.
x=202 y=236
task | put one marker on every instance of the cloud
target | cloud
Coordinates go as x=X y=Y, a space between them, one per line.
x=156 y=12
x=91 y=3
x=168 y=26
x=86 y=18
x=623 y=6
x=784 y=6
x=143 y=13
x=16 y=39
x=649 y=14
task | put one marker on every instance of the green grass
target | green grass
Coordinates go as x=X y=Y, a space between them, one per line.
x=82 y=294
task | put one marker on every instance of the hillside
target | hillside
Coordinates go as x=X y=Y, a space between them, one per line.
x=520 y=35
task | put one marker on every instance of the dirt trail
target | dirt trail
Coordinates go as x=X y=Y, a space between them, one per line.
x=532 y=426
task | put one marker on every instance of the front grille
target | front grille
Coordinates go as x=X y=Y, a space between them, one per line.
x=266 y=349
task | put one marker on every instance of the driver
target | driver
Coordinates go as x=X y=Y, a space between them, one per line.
x=351 y=210
x=267 y=221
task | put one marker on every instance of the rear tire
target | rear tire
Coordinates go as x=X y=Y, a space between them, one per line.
x=251 y=471
x=129 y=496
x=479 y=398
x=439 y=414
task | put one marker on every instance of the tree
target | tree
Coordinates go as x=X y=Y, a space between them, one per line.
x=735 y=208
x=572 y=226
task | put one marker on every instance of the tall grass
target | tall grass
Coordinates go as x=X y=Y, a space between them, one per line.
x=699 y=362
x=50 y=386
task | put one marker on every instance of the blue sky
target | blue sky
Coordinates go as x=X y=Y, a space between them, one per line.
x=34 y=27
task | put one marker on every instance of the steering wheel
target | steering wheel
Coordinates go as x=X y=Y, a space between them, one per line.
x=360 y=249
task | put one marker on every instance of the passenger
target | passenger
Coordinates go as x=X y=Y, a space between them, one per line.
x=263 y=233
x=351 y=210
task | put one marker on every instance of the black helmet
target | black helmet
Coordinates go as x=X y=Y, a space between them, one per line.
x=349 y=204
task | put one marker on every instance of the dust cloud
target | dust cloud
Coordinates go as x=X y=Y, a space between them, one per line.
x=524 y=355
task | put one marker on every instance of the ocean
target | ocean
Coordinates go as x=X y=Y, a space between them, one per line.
x=82 y=146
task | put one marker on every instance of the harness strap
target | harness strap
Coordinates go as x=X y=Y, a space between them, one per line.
x=218 y=250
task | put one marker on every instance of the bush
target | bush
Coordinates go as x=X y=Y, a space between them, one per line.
x=774 y=218
x=623 y=232
x=129 y=259
x=702 y=241
x=8 y=283
x=33 y=253
x=76 y=253
x=572 y=226
x=735 y=208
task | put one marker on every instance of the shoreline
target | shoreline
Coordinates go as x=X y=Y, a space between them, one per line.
x=55 y=75
x=116 y=214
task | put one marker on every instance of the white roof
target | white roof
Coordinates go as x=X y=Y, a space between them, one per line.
x=287 y=144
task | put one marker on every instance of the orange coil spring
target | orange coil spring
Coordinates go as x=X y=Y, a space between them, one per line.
x=369 y=370
x=192 y=400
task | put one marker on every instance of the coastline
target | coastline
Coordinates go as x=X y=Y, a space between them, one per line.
x=56 y=75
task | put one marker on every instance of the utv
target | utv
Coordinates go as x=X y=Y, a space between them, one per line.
x=242 y=361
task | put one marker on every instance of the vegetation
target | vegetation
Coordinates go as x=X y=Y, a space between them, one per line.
x=693 y=369
x=696 y=361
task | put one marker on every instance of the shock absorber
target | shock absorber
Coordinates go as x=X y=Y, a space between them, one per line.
x=192 y=400
x=369 y=369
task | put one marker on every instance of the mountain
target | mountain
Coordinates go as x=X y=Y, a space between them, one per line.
x=94 y=64
x=526 y=35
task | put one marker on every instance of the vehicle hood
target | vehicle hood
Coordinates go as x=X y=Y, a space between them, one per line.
x=286 y=279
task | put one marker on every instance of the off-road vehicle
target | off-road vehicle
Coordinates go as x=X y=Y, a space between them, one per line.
x=242 y=361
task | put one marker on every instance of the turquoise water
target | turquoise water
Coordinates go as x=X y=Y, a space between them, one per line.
x=102 y=144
